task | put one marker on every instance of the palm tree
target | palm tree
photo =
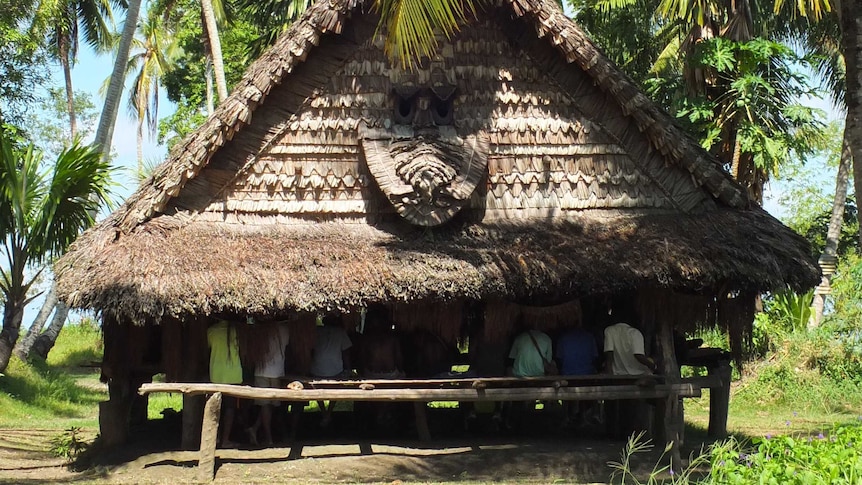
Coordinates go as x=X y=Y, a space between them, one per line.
x=214 y=47
x=156 y=51
x=65 y=23
x=41 y=213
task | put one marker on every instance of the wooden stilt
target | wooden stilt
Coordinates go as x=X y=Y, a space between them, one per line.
x=671 y=412
x=193 y=408
x=114 y=420
x=420 y=412
x=209 y=436
x=719 y=400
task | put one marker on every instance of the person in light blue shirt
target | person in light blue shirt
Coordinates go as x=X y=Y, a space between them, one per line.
x=530 y=350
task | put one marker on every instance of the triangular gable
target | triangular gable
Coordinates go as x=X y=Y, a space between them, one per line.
x=638 y=154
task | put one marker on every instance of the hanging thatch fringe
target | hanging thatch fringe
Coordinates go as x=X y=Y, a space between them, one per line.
x=302 y=335
x=501 y=317
x=736 y=315
x=444 y=319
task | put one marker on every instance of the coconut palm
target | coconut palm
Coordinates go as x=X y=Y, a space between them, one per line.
x=214 y=47
x=41 y=213
x=114 y=93
x=155 y=51
x=66 y=22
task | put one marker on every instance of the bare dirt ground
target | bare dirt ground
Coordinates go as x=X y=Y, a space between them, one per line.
x=540 y=454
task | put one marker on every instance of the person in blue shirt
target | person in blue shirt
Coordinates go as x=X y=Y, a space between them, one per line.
x=577 y=353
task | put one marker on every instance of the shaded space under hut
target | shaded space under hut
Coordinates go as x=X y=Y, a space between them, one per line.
x=517 y=172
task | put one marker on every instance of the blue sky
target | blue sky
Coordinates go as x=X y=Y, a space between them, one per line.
x=88 y=75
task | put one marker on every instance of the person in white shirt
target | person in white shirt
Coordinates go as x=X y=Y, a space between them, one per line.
x=624 y=351
x=268 y=373
x=625 y=356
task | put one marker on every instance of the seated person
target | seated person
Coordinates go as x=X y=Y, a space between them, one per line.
x=380 y=353
x=577 y=352
x=268 y=373
x=330 y=357
x=624 y=351
x=624 y=355
x=531 y=351
x=225 y=368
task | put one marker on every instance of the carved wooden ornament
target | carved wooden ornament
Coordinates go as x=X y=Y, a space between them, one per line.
x=427 y=175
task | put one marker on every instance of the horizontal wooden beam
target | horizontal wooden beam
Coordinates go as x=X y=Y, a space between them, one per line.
x=595 y=379
x=589 y=393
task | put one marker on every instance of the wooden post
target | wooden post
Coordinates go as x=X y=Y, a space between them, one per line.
x=209 y=436
x=421 y=415
x=195 y=369
x=671 y=411
x=719 y=399
x=114 y=420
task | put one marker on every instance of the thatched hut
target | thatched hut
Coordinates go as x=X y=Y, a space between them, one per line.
x=519 y=167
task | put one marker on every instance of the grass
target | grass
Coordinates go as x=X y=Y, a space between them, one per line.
x=57 y=394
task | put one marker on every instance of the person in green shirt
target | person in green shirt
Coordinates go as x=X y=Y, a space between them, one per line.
x=225 y=368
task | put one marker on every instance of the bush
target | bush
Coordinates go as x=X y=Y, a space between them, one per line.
x=832 y=458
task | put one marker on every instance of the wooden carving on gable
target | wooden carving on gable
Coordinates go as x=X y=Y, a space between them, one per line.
x=426 y=170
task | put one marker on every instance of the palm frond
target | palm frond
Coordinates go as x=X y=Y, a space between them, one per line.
x=79 y=186
x=412 y=25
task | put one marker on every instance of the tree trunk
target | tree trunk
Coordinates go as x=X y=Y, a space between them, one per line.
x=22 y=350
x=215 y=48
x=140 y=148
x=208 y=76
x=851 y=47
x=45 y=342
x=108 y=118
x=833 y=234
x=13 y=313
x=70 y=93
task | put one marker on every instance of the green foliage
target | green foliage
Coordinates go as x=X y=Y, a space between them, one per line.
x=68 y=444
x=31 y=395
x=847 y=294
x=791 y=311
x=626 y=33
x=831 y=458
x=411 y=26
x=47 y=124
x=809 y=369
x=622 y=472
x=185 y=83
x=22 y=61
x=835 y=457
x=755 y=93
x=271 y=19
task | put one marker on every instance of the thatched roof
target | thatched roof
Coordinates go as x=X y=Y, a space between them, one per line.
x=614 y=196
x=171 y=268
